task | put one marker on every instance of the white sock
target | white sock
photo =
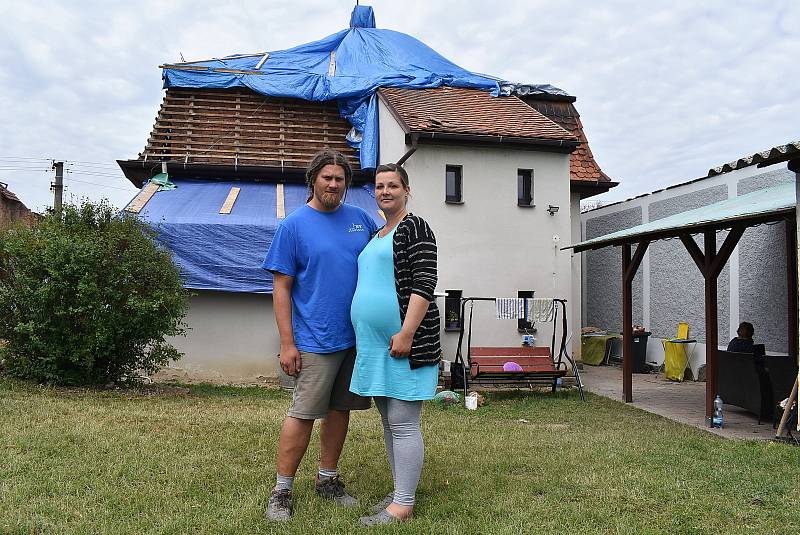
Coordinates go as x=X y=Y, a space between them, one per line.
x=327 y=473
x=284 y=482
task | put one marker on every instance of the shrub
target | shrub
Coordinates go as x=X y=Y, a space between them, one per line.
x=87 y=297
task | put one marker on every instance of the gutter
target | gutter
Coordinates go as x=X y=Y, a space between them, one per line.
x=409 y=152
x=555 y=145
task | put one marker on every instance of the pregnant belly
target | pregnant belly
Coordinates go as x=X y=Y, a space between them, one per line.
x=375 y=314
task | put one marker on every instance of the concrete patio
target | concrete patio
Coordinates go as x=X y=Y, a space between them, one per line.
x=682 y=402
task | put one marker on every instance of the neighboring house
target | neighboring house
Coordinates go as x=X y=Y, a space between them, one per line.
x=668 y=287
x=498 y=178
x=12 y=209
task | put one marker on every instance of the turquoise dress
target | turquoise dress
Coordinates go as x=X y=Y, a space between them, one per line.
x=375 y=313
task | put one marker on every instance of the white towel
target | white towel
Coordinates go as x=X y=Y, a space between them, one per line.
x=539 y=309
x=510 y=308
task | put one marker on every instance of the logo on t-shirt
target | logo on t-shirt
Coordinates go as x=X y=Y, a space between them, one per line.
x=357 y=228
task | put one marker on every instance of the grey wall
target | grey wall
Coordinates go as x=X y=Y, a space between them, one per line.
x=762 y=271
x=603 y=281
x=677 y=292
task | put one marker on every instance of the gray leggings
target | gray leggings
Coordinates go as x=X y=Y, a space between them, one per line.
x=404 y=445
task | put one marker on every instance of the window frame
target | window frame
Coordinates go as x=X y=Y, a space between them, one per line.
x=522 y=325
x=452 y=302
x=458 y=198
x=524 y=175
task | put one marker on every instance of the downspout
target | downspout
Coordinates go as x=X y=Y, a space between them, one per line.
x=409 y=152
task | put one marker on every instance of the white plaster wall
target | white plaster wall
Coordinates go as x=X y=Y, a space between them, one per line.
x=577 y=276
x=231 y=335
x=488 y=246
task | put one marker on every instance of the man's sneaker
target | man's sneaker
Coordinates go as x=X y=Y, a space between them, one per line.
x=333 y=489
x=279 y=508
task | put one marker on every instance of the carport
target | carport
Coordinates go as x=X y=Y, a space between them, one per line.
x=733 y=216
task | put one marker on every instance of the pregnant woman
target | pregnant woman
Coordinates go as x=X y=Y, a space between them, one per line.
x=397 y=336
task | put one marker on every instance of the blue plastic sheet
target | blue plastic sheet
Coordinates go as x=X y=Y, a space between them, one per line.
x=224 y=252
x=365 y=59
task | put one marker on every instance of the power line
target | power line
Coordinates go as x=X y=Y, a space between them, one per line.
x=91 y=173
x=97 y=184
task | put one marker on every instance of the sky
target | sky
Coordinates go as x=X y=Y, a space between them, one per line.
x=666 y=90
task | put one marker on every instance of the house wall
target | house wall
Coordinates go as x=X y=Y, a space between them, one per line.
x=669 y=288
x=232 y=336
x=488 y=246
x=13 y=211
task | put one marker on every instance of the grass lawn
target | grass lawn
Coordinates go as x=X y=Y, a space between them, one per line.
x=201 y=460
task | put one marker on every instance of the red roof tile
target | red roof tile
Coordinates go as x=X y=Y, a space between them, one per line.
x=470 y=111
x=582 y=164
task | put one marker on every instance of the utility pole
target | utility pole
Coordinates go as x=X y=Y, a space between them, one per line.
x=57 y=187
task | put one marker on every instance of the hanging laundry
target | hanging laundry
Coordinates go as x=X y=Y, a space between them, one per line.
x=539 y=309
x=510 y=308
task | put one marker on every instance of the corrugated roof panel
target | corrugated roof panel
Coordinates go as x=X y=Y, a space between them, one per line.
x=775 y=200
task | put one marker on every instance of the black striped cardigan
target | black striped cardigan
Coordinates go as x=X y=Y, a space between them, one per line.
x=414 y=253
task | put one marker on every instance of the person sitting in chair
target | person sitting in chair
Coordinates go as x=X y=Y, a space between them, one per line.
x=743 y=343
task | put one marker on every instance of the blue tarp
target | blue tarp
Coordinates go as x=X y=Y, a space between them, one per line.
x=224 y=251
x=365 y=59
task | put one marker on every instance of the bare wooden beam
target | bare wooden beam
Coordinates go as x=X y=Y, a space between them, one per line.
x=627 y=325
x=636 y=260
x=280 y=207
x=791 y=285
x=227 y=206
x=725 y=251
x=710 y=239
x=694 y=251
x=139 y=202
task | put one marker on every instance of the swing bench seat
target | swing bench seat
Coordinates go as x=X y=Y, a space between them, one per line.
x=486 y=366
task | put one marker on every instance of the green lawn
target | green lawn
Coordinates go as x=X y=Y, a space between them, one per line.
x=201 y=460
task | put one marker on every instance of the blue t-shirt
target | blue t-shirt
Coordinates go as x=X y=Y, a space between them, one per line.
x=320 y=250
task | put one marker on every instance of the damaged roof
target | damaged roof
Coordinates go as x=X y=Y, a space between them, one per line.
x=470 y=111
x=238 y=128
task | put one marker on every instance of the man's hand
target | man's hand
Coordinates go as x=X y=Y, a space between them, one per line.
x=400 y=344
x=290 y=361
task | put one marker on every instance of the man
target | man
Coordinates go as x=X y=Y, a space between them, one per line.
x=743 y=342
x=313 y=258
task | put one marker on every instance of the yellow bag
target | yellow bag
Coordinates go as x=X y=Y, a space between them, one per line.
x=675 y=360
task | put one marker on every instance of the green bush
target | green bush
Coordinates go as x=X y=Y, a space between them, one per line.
x=87 y=297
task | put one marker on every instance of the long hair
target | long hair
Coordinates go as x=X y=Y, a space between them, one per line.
x=323 y=158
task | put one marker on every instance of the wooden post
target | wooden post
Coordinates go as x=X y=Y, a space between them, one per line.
x=630 y=264
x=791 y=285
x=710 y=246
x=627 y=325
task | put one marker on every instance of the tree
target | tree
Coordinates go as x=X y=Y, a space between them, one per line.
x=87 y=297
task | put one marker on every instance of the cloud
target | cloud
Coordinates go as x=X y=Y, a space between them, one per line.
x=665 y=91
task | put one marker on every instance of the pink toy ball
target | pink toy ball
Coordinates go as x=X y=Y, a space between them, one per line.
x=511 y=366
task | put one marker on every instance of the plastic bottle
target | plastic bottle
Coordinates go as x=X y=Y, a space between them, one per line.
x=717 y=419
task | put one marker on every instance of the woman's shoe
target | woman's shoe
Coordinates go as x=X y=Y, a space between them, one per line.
x=383 y=504
x=381 y=518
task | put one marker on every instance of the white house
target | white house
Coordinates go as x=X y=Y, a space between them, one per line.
x=499 y=178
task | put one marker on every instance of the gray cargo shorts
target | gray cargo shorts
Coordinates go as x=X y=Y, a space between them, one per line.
x=323 y=384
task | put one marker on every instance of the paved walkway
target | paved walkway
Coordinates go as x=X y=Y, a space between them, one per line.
x=682 y=402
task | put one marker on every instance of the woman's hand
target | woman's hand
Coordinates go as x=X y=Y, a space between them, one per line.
x=400 y=344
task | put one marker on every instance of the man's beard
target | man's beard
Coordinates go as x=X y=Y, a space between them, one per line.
x=329 y=200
